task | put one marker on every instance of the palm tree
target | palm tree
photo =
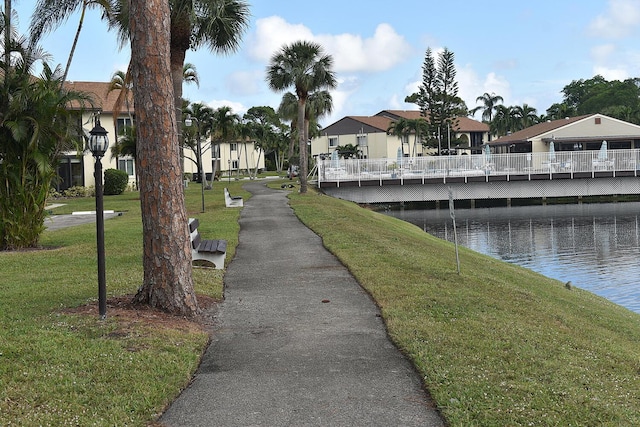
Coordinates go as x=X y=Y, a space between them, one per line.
x=304 y=66
x=288 y=111
x=36 y=127
x=217 y=24
x=6 y=29
x=523 y=116
x=401 y=129
x=48 y=14
x=266 y=129
x=502 y=122
x=319 y=105
x=419 y=127
x=224 y=127
x=195 y=135
x=490 y=102
x=190 y=74
x=126 y=146
x=560 y=111
x=121 y=81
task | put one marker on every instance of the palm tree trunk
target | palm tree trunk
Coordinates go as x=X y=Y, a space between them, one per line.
x=177 y=74
x=246 y=159
x=167 y=282
x=302 y=174
x=255 y=173
x=75 y=41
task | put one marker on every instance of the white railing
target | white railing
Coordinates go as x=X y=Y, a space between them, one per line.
x=562 y=162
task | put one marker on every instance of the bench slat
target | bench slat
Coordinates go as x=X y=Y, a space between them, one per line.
x=213 y=246
x=195 y=241
x=193 y=225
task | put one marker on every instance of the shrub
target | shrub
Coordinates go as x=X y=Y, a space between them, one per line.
x=76 y=191
x=115 y=181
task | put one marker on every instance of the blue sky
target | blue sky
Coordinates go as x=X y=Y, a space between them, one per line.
x=524 y=51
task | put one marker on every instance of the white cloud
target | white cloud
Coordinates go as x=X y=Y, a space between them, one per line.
x=471 y=86
x=602 y=53
x=621 y=17
x=245 y=82
x=611 y=73
x=346 y=88
x=351 y=52
x=236 y=107
x=609 y=65
x=271 y=34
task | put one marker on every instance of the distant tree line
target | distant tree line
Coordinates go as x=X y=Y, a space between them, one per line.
x=618 y=99
x=440 y=105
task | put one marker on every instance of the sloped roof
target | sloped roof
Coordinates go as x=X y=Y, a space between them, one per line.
x=538 y=129
x=463 y=124
x=99 y=91
x=383 y=119
x=377 y=122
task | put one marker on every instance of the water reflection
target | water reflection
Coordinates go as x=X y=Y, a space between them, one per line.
x=595 y=246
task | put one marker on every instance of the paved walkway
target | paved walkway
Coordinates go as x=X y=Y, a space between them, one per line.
x=298 y=342
x=56 y=222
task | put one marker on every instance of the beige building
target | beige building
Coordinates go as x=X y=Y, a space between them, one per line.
x=582 y=133
x=224 y=158
x=369 y=134
x=76 y=168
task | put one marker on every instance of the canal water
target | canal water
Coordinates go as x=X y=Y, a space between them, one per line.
x=595 y=246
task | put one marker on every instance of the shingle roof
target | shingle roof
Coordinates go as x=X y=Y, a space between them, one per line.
x=99 y=91
x=463 y=124
x=538 y=129
x=377 y=122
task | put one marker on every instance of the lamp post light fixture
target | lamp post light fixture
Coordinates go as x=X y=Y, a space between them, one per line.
x=188 y=122
x=98 y=144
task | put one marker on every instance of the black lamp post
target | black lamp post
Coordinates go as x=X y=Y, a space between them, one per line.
x=188 y=121
x=98 y=144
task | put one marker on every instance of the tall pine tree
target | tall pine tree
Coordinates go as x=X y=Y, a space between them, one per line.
x=438 y=95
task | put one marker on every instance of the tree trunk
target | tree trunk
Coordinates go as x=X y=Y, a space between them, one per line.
x=302 y=172
x=168 y=282
x=75 y=41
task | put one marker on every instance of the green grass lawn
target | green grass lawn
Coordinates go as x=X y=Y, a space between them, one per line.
x=496 y=345
x=60 y=368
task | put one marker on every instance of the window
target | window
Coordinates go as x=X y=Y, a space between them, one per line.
x=362 y=140
x=233 y=146
x=333 y=141
x=70 y=171
x=122 y=123
x=126 y=164
x=234 y=164
x=216 y=151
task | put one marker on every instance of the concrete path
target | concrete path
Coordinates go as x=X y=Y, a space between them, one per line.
x=298 y=342
x=56 y=222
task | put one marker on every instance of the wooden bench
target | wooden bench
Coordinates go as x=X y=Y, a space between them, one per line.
x=213 y=251
x=232 y=202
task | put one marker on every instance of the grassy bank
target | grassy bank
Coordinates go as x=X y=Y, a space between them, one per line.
x=496 y=345
x=58 y=367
